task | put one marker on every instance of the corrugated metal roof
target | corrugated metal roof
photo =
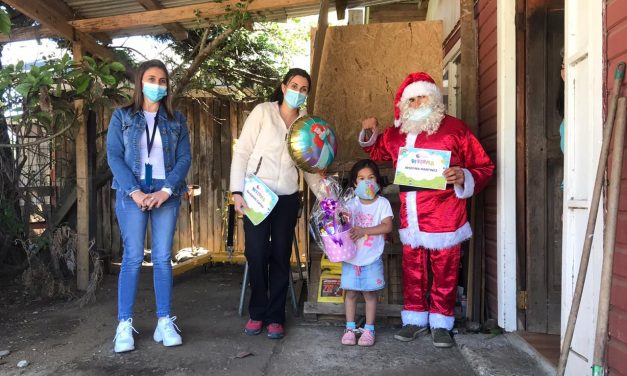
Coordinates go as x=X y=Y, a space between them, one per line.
x=99 y=8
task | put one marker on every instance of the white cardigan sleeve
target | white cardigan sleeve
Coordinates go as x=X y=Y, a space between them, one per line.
x=313 y=181
x=244 y=147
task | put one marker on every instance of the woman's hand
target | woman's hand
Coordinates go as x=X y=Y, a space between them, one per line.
x=357 y=233
x=155 y=200
x=139 y=197
x=454 y=175
x=239 y=203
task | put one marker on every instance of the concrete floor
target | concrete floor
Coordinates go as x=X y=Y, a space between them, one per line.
x=62 y=339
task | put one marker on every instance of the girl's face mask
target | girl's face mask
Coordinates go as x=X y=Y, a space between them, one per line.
x=294 y=99
x=367 y=189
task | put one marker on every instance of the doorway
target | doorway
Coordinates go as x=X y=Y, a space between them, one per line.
x=540 y=165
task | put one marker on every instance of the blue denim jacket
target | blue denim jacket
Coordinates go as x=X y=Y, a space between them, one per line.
x=124 y=156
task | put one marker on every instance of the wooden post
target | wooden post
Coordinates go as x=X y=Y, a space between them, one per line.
x=469 y=113
x=317 y=52
x=82 y=188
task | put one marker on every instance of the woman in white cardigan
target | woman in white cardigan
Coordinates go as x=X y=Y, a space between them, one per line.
x=262 y=149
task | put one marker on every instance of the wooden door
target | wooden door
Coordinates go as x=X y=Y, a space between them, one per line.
x=584 y=133
x=544 y=164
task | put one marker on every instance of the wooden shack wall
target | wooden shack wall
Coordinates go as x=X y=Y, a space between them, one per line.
x=363 y=66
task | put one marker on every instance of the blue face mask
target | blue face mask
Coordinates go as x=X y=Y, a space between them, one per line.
x=420 y=113
x=154 y=92
x=294 y=99
x=367 y=189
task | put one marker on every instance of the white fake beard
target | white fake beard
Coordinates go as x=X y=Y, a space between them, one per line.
x=431 y=124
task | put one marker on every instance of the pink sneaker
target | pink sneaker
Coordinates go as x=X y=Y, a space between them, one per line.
x=253 y=327
x=276 y=331
x=349 y=338
x=366 y=339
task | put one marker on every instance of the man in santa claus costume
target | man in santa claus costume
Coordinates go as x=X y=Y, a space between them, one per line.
x=433 y=223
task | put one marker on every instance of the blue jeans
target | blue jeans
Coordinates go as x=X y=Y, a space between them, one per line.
x=133 y=223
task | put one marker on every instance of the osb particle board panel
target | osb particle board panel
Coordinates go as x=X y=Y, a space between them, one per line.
x=361 y=68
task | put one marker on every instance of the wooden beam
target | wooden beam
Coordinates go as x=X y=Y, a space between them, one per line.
x=340 y=8
x=469 y=113
x=82 y=188
x=55 y=17
x=20 y=34
x=321 y=32
x=177 y=31
x=177 y=14
x=54 y=20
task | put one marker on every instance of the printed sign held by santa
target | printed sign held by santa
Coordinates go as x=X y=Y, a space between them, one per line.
x=433 y=223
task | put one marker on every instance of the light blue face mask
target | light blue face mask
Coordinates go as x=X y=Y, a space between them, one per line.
x=420 y=113
x=154 y=92
x=367 y=189
x=294 y=99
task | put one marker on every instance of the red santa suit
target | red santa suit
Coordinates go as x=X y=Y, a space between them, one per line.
x=433 y=223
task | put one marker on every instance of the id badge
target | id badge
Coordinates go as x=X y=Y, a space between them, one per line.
x=148 y=174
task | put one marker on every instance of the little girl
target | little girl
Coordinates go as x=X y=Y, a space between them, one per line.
x=372 y=218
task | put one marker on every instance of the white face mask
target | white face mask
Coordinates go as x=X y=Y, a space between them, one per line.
x=419 y=114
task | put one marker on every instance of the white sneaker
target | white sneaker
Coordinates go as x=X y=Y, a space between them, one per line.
x=124 y=336
x=166 y=332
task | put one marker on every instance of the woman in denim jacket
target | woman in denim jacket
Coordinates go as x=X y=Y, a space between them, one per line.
x=149 y=154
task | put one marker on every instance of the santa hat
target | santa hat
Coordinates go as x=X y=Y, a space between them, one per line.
x=415 y=85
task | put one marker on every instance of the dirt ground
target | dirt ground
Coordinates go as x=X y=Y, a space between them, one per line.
x=59 y=338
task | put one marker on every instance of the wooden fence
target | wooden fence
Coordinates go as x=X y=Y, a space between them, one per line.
x=212 y=124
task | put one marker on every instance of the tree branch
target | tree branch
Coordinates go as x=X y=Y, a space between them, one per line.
x=40 y=141
x=199 y=59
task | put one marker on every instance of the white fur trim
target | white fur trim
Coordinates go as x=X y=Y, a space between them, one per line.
x=415 y=318
x=412 y=211
x=410 y=140
x=397 y=123
x=370 y=142
x=433 y=240
x=469 y=186
x=437 y=320
x=420 y=88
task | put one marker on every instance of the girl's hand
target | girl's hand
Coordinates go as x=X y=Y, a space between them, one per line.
x=239 y=203
x=139 y=197
x=155 y=200
x=369 y=123
x=454 y=175
x=357 y=233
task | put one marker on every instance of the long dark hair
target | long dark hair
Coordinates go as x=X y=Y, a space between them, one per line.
x=559 y=103
x=277 y=95
x=138 y=96
x=365 y=163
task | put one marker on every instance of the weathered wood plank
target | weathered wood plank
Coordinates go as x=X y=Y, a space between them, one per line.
x=216 y=175
x=204 y=203
x=209 y=10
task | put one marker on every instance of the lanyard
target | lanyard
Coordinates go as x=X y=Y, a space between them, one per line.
x=151 y=140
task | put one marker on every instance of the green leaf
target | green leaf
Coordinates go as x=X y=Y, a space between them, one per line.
x=46 y=80
x=35 y=70
x=44 y=117
x=108 y=79
x=90 y=61
x=19 y=66
x=117 y=67
x=82 y=83
x=5 y=22
x=24 y=88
